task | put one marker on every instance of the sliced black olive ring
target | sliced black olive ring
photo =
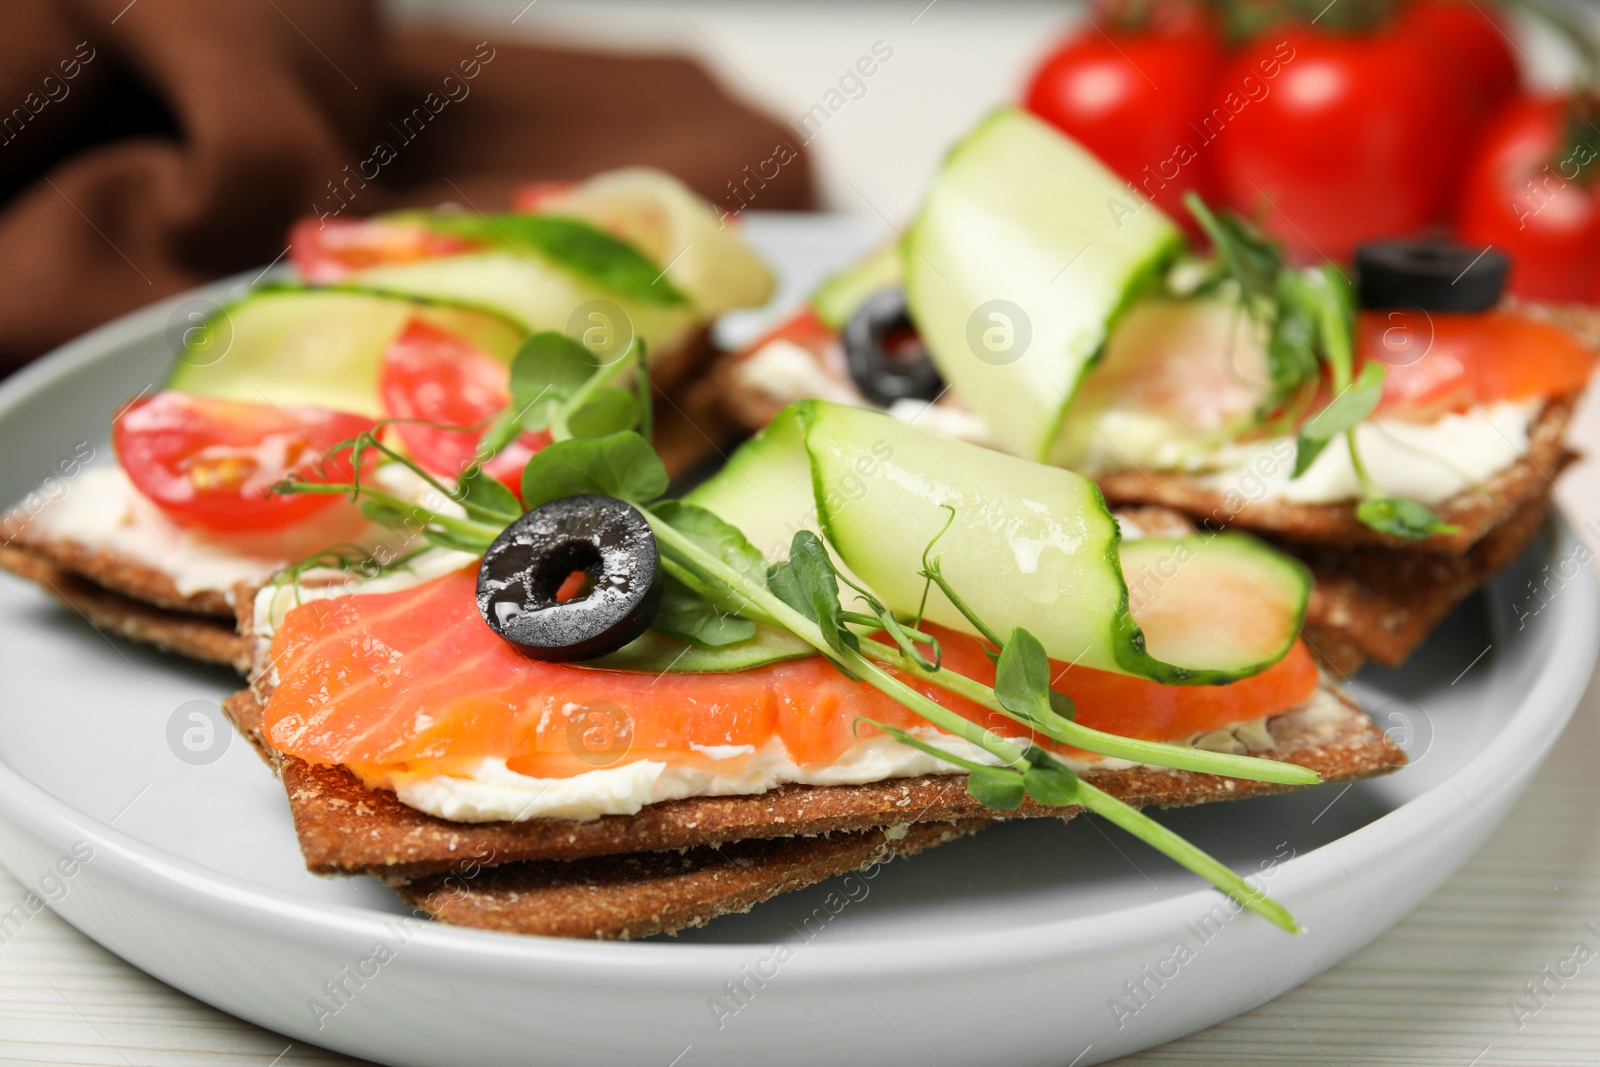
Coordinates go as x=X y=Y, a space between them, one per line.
x=887 y=359
x=573 y=579
x=1431 y=274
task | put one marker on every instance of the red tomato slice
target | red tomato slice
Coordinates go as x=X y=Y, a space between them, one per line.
x=804 y=328
x=1441 y=362
x=534 y=196
x=209 y=462
x=453 y=390
x=329 y=250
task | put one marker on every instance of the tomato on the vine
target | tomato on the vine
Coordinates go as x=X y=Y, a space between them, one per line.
x=1136 y=100
x=1351 y=143
x=1531 y=192
x=210 y=462
x=445 y=392
x=1471 y=38
x=325 y=251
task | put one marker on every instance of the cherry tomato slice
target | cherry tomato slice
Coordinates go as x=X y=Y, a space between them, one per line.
x=1446 y=362
x=534 y=196
x=209 y=462
x=324 y=251
x=451 y=390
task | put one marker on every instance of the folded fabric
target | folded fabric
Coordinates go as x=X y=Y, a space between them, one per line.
x=147 y=147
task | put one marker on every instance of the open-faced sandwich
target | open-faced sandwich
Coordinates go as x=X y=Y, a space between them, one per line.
x=596 y=712
x=1400 y=432
x=412 y=319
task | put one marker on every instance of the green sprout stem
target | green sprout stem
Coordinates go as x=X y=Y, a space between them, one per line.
x=1178 y=757
x=1008 y=753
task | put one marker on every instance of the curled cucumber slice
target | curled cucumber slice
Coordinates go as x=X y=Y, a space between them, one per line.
x=1029 y=546
x=1026 y=252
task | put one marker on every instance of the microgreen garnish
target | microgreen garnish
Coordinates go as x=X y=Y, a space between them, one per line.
x=1310 y=316
x=721 y=594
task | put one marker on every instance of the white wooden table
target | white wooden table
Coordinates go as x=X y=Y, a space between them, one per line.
x=1436 y=990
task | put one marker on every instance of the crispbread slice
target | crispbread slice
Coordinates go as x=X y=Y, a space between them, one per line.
x=119 y=573
x=623 y=897
x=1377 y=603
x=344 y=827
x=200 y=637
x=1474 y=511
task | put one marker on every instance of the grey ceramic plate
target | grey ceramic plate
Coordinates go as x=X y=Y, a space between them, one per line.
x=1032 y=943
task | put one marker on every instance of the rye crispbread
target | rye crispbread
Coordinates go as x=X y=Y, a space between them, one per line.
x=120 y=573
x=344 y=827
x=618 y=898
x=201 y=637
x=1474 y=511
x=1376 y=603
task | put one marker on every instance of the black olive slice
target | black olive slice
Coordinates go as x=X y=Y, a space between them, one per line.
x=1434 y=275
x=887 y=359
x=572 y=579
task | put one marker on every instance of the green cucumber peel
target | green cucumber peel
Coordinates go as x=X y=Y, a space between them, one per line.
x=577 y=246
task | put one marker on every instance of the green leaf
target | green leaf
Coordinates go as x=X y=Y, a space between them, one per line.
x=1344 y=412
x=546 y=371
x=577 y=246
x=457 y=541
x=622 y=465
x=641 y=395
x=1048 y=781
x=996 y=787
x=395 y=517
x=487 y=495
x=1402 y=518
x=808 y=583
x=607 y=411
x=716 y=536
x=1022 y=684
x=1292 y=344
x=688 y=616
x=1248 y=256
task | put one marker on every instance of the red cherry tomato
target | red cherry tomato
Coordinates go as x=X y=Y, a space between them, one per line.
x=1138 y=101
x=1471 y=37
x=1351 y=141
x=324 y=251
x=1441 y=362
x=454 y=390
x=1525 y=193
x=209 y=462
x=534 y=196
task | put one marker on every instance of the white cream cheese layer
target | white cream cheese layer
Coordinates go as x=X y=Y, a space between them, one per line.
x=1425 y=462
x=103 y=511
x=492 y=792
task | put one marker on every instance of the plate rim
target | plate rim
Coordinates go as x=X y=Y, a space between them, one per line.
x=1525 y=737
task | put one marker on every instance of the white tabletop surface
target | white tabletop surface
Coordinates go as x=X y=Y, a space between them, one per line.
x=1441 y=988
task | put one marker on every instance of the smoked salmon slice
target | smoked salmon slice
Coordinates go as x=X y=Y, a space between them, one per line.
x=414 y=676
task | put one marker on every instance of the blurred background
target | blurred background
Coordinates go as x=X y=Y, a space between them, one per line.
x=151 y=145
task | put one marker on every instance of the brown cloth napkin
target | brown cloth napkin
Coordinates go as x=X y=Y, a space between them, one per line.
x=147 y=147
